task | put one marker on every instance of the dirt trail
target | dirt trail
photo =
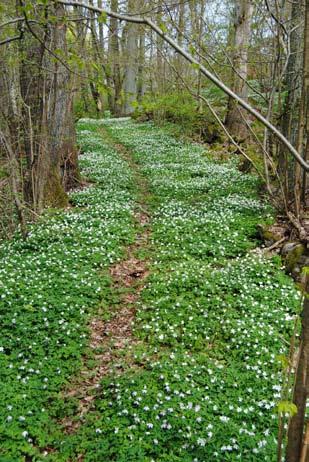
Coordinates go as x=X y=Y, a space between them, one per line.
x=113 y=338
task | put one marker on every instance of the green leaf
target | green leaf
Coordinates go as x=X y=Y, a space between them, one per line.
x=102 y=18
x=195 y=66
x=283 y=360
x=287 y=407
x=192 y=49
x=163 y=27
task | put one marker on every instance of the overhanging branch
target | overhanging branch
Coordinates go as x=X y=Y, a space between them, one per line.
x=203 y=70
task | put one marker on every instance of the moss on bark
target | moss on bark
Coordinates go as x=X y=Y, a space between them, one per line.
x=54 y=193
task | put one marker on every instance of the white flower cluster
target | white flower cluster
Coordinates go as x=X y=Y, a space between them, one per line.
x=212 y=319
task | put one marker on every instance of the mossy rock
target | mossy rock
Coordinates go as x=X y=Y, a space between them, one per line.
x=271 y=234
x=292 y=251
x=210 y=133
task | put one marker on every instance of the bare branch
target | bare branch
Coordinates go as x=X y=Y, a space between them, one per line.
x=216 y=116
x=275 y=18
x=11 y=21
x=11 y=39
x=202 y=69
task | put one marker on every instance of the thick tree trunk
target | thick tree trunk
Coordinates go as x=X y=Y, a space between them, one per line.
x=62 y=152
x=48 y=134
x=34 y=117
x=242 y=29
x=69 y=167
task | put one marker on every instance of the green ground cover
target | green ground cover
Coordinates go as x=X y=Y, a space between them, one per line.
x=49 y=286
x=211 y=323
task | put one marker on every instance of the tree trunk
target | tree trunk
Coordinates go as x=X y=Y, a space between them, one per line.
x=242 y=29
x=301 y=389
x=48 y=131
x=159 y=63
x=292 y=84
x=130 y=75
x=305 y=99
x=303 y=127
x=34 y=136
x=141 y=65
x=114 y=59
x=101 y=30
x=179 y=61
x=62 y=153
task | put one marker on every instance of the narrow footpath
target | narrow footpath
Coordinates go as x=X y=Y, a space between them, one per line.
x=151 y=330
x=112 y=339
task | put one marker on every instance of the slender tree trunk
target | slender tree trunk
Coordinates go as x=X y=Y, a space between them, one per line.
x=141 y=65
x=242 y=29
x=303 y=130
x=180 y=40
x=197 y=11
x=305 y=99
x=114 y=59
x=200 y=34
x=79 y=82
x=296 y=437
x=292 y=84
x=101 y=30
x=160 y=68
x=97 y=57
x=130 y=74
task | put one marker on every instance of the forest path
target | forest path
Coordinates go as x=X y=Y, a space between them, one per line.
x=148 y=331
x=110 y=340
x=200 y=320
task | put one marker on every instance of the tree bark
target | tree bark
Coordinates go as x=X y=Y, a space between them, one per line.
x=301 y=389
x=292 y=85
x=131 y=67
x=114 y=59
x=300 y=179
x=242 y=29
x=160 y=67
x=141 y=65
x=48 y=130
x=305 y=99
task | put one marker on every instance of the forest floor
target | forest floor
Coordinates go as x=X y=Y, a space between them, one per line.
x=141 y=324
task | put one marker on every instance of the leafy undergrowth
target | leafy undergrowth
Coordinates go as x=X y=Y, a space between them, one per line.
x=49 y=287
x=213 y=318
x=213 y=321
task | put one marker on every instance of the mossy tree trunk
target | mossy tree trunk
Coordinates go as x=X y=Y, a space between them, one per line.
x=48 y=131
